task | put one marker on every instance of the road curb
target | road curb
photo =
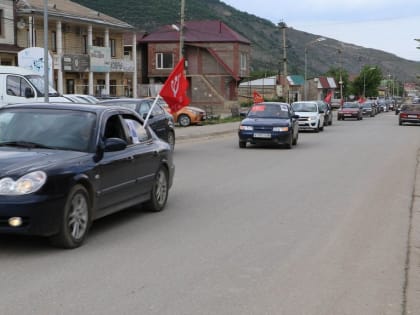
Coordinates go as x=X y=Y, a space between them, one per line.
x=413 y=273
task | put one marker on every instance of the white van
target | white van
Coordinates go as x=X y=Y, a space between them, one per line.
x=19 y=85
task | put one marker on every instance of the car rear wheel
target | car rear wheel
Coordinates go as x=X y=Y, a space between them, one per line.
x=171 y=139
x=75 y=221
x=184 y=120
x=159 y=193
x=295 y=140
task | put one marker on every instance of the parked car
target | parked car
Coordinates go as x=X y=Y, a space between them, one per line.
x=269 y=123
x=82 y=98
x=328 y=112
x=409 y=113
x=188 y=115
x=65 y=165
x=311 y=117
x=368 y=109
x=350 y=110
x=160 y=120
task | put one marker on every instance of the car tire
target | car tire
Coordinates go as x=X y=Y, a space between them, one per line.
x=242 y=144
x=171 y=139
x=295 y=140
x=184 y=120
x=160 y=191
x=75 y=220
x=400 y=122
x=289 y=144
x=330 y=122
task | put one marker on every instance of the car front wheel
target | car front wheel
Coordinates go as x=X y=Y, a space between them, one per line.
x=184 y=120
x=76 y=219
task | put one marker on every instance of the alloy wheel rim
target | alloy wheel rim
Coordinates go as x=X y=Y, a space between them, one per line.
x=78 y=216
x=161 y=188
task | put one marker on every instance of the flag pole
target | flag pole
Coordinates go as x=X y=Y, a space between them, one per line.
x=150 y=110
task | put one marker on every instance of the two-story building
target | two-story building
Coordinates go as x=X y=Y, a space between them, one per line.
x=8 y=41
x=217 y=59
x=86 y=46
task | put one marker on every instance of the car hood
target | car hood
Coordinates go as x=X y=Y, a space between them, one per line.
x=349 y=110
x=196 y=109
x=307 y=114
x=265 y=122
x=18 y=160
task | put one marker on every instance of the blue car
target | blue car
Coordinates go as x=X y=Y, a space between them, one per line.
x=269 y=123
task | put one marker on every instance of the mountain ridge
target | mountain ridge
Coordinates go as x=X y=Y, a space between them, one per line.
x=265 y=36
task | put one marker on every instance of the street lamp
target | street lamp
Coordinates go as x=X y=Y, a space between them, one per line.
x=319 y=39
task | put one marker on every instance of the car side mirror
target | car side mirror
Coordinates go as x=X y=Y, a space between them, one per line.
x=321 y=111
x=29 y=92
x=114 y=144
x=295 y=116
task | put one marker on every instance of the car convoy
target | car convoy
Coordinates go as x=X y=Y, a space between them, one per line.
x=280 y=123
x=67 y=164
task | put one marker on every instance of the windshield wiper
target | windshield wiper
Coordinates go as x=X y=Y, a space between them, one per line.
x=25 y=144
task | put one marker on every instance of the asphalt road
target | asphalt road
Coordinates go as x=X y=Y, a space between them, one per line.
x=319 y=229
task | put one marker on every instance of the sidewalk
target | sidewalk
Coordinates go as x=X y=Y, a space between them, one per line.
x=183 y=133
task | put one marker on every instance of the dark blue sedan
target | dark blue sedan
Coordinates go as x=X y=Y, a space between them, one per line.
x=269 y=123
x=65 y=165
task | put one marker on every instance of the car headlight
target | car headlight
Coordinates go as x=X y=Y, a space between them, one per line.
x=313 y=118
x=247 y=128
x=26 y=184
x=280 y=128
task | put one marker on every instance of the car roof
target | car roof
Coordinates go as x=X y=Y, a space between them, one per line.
x=66 y=106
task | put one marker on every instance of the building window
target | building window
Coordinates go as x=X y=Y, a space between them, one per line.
x=164 y=61
x=1 y=23
x=113 y=47
x=54 y=41
x=113 y=87
x=99 y=41
x=243 y=61
x=84 y=44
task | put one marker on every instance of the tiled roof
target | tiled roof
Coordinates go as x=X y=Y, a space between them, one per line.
x=326 y=83
x=66 y=9
x=195 y=32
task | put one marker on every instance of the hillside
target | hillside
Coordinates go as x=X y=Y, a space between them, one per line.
x=265 y=36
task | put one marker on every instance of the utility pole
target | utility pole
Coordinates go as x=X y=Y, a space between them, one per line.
x=46 y=77
x=181 y=30
x=341 y=78
x=283 y=27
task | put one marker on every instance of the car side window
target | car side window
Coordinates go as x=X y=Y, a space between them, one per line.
x=144 y=108
x=136 y=130
x=16 y=86
x=114 y=129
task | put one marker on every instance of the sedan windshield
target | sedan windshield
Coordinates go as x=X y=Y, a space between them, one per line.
x=304 y=107
x=269 y=111
x=350 y=105
x=47 y=128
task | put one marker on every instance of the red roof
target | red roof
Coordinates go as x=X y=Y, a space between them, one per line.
x=195 y=32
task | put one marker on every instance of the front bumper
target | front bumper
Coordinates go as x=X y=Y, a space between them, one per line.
x=40 y=214
x=274 y=137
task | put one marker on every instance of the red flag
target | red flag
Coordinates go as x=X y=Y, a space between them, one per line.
x=175 y=88
x=258 y=98
x=327 y=98
x=362 y=100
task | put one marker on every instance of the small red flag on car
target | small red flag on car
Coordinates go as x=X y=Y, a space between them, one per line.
x=258 y=98
x=174 y=91
x=362 y=100
x=327 y=98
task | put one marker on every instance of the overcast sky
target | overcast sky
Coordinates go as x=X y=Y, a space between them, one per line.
x=388 y=25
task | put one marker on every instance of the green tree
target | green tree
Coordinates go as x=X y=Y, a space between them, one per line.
x=335 y=73
x=368 y=81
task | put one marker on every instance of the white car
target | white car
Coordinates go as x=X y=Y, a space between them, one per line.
x=311 y=117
